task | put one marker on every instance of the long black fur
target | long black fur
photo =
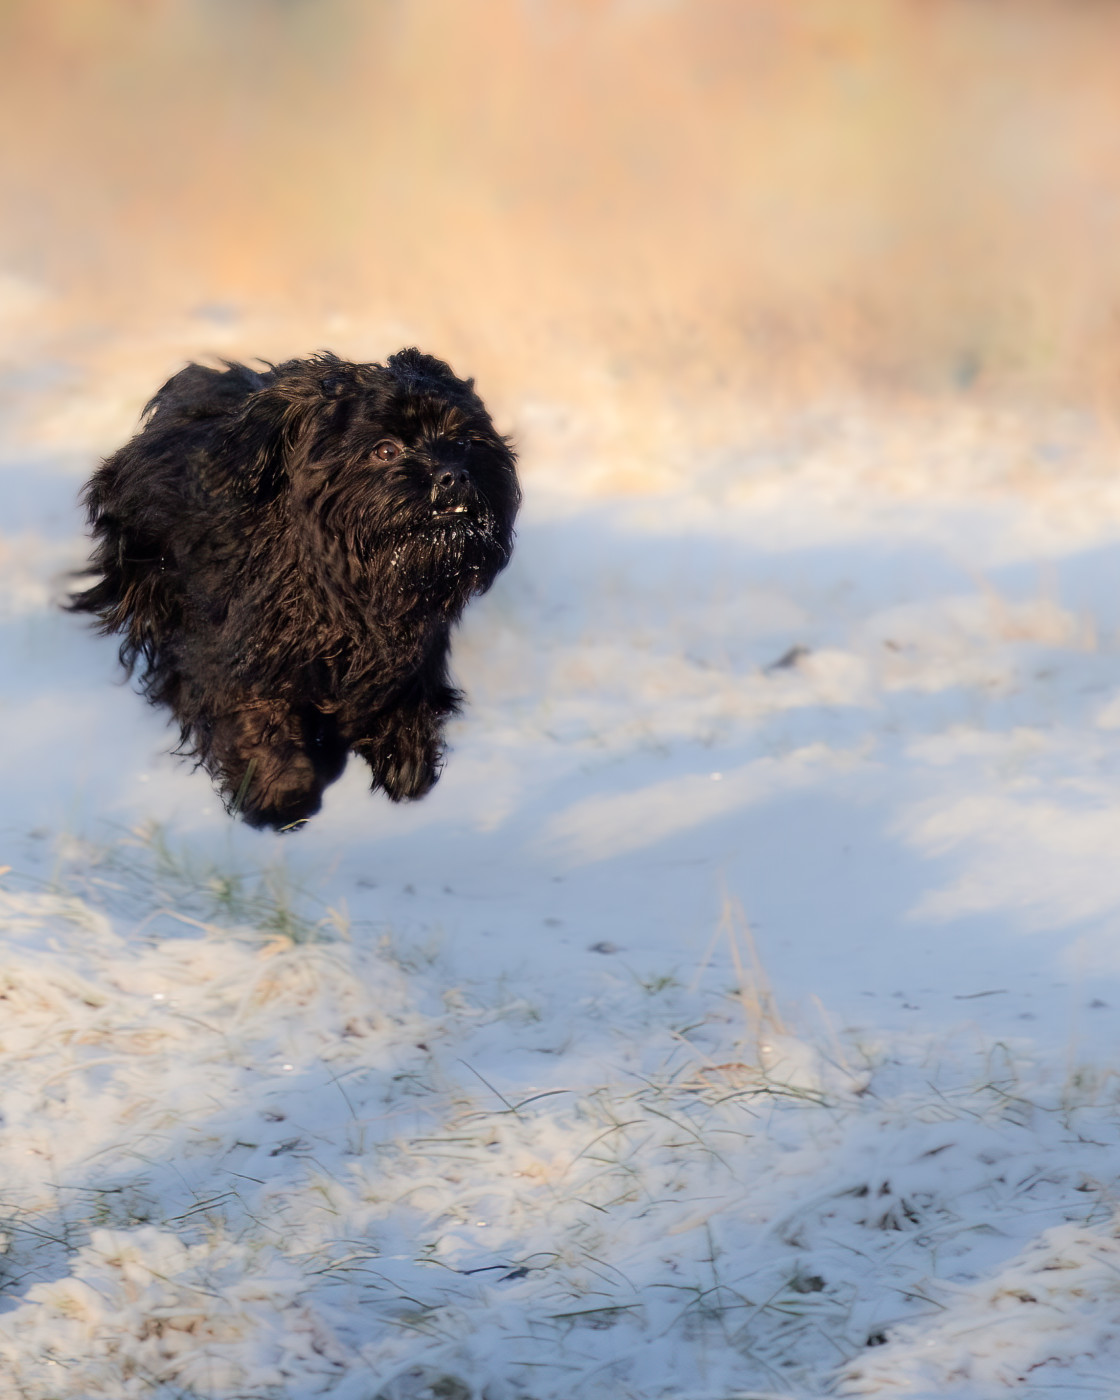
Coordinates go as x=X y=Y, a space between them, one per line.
x=287 y=593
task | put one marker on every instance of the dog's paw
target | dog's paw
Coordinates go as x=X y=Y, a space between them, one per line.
x=405 y=777
x=405 y=758
x=284 y=804
x=280 y=811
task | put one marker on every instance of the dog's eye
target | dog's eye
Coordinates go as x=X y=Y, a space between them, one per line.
x=386 y=450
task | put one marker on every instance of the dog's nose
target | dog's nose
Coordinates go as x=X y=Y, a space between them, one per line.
x=452 y=487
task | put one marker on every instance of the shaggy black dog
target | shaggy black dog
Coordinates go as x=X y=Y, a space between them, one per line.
x=285 y=554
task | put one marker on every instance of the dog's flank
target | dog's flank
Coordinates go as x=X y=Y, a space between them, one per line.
x=284 y=555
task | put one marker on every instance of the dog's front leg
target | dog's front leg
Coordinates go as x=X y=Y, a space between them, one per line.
x=404 y=745
x=271 y=763
x=405 y=755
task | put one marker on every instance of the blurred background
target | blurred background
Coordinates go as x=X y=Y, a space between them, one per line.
x=632 y=220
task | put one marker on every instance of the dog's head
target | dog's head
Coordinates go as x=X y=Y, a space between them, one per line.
x=392 y=476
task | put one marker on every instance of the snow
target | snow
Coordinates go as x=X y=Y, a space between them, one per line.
x=736 y=1019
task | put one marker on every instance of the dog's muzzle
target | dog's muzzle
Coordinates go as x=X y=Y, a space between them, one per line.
x=453 y=491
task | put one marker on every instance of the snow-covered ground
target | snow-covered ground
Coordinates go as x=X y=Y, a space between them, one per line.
x=738 y=1018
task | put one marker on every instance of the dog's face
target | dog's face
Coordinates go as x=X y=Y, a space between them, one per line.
x=395 y=474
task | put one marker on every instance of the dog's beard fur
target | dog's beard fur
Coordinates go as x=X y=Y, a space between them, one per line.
x=285 y=554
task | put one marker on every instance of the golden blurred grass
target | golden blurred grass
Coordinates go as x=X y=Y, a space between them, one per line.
x=669 y=204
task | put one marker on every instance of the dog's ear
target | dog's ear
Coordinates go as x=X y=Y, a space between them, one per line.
x=263 y=440
x=273 y=433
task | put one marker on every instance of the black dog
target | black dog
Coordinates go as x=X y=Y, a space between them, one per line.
x=285 y=554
